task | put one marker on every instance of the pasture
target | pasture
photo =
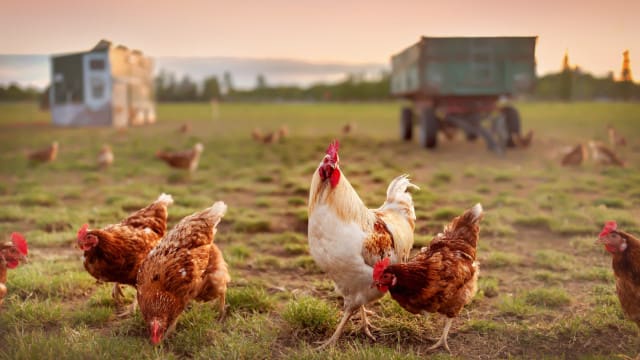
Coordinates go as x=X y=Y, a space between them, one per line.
x=546 y=289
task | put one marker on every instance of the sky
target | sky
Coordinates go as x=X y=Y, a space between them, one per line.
x=595 y=33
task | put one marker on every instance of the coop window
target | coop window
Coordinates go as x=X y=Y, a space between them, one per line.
x=97 y=88
x=96 y=64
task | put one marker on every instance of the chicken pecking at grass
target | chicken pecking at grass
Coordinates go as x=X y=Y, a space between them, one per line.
x=115 y=252
x=441 y=278
x=11 y=255
x=47 y=154
x=346 y=238
x=185 y=265
x=186 y=159
x=625 y=252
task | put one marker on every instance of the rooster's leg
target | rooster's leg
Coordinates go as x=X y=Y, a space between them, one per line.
x=443 y=338
x=366 y=325
x=336 y=334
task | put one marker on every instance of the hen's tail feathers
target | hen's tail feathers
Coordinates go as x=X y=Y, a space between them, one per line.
x=476 y=212
x=398 y=196
x=216 y=212
x=466 y=225
x=165 y=199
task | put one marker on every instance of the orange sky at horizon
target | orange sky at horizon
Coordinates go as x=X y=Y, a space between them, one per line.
x=594 y=33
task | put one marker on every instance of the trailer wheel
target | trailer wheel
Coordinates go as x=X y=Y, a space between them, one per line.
x=428 y=129
x=406 y=123
x=512 y=120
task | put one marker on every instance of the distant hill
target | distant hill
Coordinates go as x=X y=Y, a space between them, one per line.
x=34 y=69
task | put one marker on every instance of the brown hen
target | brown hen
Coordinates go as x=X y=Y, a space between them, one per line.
x=441 y=278
x=185 y=265
x=115 y=252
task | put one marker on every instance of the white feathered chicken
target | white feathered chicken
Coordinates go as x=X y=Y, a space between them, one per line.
x=346 y=238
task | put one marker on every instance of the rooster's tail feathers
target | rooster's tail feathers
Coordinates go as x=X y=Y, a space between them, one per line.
x=398 y=195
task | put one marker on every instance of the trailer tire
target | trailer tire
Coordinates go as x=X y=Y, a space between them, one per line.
x=428 y=128
x=406 y=123
x=512 y=120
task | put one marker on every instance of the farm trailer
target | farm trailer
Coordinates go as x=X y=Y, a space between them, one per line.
x=459 y=82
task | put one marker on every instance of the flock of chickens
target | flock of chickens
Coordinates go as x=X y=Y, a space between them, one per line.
x=600 y=153
x=366 y=252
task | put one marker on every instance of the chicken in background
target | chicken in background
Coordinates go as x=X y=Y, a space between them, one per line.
x=47 y=154
x=348 y=128
x=185 y=128
x=186 y=159
x=256 y=135
x=625 y=252
x=522 y=141
x=115 y=252
x=105 y=157
x=271 y=137
x=346 y=238
x=11 y=255
x=615 y=139
x=439 y=279
x=283 y=132
x=184 y=266
x=576 y=156
x=603 y=155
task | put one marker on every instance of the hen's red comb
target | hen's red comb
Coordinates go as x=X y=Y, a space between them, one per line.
x=332 y=150
x=379 y=267
x=609 y=226
x=20 y=243
x=83 y=231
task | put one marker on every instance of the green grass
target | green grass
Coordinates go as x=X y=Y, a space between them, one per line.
x=546 y=289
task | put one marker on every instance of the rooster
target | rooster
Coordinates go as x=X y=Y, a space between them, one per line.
x=105 y=157
x=346 y=238
x=187 y=159
x=185 y=265
x=115 y=252
x=625 y=251
x=441 y=278
x=11 y=255
x=47 y=154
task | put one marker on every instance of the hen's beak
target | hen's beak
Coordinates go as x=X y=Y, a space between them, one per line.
x=374 y=284
x=601 y=240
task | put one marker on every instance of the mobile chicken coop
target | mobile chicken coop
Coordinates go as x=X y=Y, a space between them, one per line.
x=105 y=86
x=456 y=82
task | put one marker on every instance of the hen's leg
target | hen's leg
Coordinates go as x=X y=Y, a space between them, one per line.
x=221 y=308
x=348 y=312
x=443 y=338
x=117 y=294
x=129 y=310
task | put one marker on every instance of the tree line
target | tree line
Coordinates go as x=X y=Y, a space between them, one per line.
x=571 y=83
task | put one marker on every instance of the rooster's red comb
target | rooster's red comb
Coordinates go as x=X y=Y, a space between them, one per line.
x=20 y=243
x=609 y=226
x=379 y=267
x=332 y=150
x=83 y=231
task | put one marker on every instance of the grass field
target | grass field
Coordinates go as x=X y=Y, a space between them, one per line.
x=546 y=288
